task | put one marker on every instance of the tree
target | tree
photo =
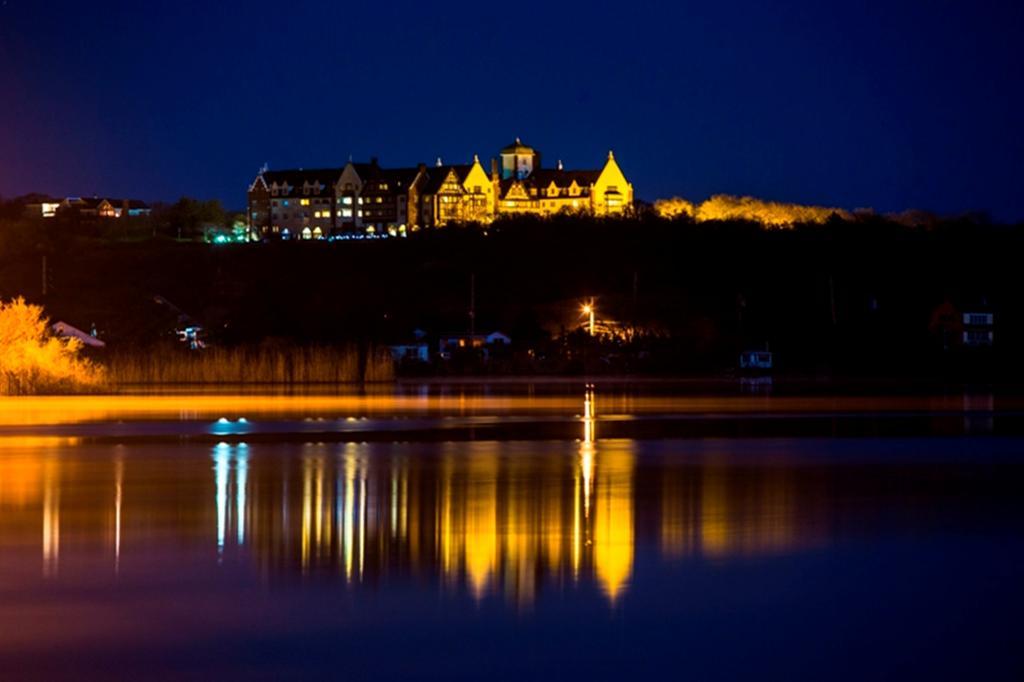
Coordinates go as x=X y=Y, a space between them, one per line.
x=33 y=359
x=190 y=218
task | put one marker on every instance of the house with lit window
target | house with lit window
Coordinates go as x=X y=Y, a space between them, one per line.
x=459 y=193
x=965 y=327
x=87 y=209
x=522 y=185
x=388 y=198
x=293 y=204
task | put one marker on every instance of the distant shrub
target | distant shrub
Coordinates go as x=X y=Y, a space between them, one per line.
x=34 y=360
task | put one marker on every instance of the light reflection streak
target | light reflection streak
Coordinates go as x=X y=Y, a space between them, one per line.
x=118 y=496
x=241 y=481
x=51 y=518
x=221 y=454
x=224 y=456
x=348 y=516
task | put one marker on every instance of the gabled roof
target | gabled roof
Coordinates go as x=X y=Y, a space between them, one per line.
x=437 y=176
x=543 y=177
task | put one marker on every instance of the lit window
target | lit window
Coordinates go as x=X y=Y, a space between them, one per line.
x=304 y=202
x=346 y=213
x=347 y=201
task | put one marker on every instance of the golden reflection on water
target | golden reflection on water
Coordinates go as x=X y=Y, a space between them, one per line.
x=487 y=517
x=43 y=410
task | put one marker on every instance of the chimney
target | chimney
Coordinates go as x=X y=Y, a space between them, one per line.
x=373 y=160
x=494 y=169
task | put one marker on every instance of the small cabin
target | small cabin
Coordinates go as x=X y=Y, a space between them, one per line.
x=756 y=361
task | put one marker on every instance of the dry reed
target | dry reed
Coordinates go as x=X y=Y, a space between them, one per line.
x=251 y=365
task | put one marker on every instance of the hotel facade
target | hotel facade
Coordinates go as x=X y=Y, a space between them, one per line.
x=365 y=198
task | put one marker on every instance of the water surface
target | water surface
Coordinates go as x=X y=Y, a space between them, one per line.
x=467 y=535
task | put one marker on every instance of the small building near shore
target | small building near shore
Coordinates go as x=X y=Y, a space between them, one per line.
x=450 y=344
x=68 y=331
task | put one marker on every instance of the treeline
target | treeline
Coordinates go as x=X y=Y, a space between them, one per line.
x=858 y=294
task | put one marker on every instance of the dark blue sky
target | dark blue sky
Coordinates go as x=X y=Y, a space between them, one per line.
x=883 y=104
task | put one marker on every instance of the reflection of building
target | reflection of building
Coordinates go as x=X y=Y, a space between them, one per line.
x=485 y=517
x=365 y=198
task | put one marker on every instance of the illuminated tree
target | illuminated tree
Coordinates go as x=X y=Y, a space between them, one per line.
x=676 y=207
x=33 y=359
x=770 y=213
x=767 y=213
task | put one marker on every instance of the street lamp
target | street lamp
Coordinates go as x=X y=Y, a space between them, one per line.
x=588 y=309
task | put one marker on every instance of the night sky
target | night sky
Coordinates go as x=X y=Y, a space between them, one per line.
x=887 y=105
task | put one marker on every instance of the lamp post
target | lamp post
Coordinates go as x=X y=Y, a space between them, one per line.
x=588 y=309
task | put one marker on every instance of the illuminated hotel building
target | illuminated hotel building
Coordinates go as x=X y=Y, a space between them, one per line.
x=366 y=198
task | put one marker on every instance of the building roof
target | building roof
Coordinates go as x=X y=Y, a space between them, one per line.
x=543 y=177
x=436 y=176
x=298 y=177
x=94 y=202
x=517 y=147
x=401 y=177
x=397 y=178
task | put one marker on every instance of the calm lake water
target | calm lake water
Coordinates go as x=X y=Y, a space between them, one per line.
x=448 y=533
